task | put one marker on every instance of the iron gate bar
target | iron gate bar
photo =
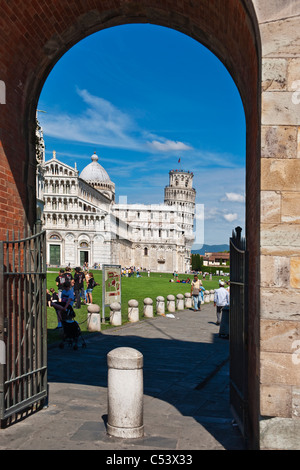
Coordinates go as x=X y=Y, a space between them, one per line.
x=3 y=357
x=238 y=330
x=23 y=328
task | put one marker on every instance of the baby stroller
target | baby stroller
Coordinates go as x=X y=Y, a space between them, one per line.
x=71 y=330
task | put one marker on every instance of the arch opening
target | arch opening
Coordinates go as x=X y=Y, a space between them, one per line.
x=228 y=30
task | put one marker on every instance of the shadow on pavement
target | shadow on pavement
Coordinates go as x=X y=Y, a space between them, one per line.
x=190 y=376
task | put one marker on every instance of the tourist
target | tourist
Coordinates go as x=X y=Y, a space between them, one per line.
x=220 y=300
x=85 y=266
x=54 y=295
x=68 y=274
x=78 y=286
x=86 y=279
x=195 y=291
x=67 y=299
x=48 y=297
x=91 y=284
x=60 y=280
x=202 y=290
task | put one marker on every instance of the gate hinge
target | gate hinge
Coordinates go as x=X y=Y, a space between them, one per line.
x=4 y=326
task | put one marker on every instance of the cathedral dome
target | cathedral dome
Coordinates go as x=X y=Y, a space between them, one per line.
x=94 y=172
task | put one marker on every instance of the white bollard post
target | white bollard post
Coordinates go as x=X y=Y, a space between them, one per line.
x=125 y=393
x=180 y=302
x=187 y=300
x=160 y=305
x=171 y=303
x=133 y=311
x=115 y=316
x=211 y=295
x=206 y=296
x=93 y=318
x=148 y=307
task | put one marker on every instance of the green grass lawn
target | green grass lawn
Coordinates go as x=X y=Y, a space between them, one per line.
x=132 y=288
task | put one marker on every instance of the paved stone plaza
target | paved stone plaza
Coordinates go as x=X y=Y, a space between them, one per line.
x=186 y=391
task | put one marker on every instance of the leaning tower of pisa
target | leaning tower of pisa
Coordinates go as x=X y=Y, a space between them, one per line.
x=181 y=195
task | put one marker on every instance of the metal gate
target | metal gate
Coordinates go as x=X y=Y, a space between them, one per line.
x=23 y=328
x=238 y=332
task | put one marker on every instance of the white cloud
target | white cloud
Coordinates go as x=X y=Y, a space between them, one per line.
x=230 y=217
x=169 y=145
x=233 y=197
x=216 y=214
x=212 y=213
x=103 y=124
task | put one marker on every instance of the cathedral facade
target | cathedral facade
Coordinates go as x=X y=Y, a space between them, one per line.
x=84 y=223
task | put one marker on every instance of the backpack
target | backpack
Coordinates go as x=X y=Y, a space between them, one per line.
x=61 y=280
x=92 y=283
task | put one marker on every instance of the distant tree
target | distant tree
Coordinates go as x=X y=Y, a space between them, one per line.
x=197 y=262
x=201 y=263
x=194 y=262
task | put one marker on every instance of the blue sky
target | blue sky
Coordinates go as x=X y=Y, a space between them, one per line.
x=141 y=97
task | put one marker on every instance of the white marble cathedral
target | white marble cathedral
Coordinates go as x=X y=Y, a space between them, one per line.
x=84 y=223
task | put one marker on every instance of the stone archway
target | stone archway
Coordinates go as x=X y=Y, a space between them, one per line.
x=34 y=37
x=39 y=36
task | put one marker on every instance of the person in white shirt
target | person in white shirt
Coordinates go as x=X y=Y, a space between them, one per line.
x=220 y=300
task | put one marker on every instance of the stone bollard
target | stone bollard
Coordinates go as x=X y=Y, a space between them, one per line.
x=206 y=296
x=93 y=318
x=171 y=303
x=160 y=305
x=125 y=393
x=180 y=302
x=148 y=307
x=187 y=300
x=133 y=311
x=115 y=316
x=211 y=295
